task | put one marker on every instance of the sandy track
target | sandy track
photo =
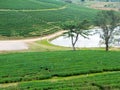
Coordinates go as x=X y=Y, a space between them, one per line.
x=40 y=38
x=8 y=45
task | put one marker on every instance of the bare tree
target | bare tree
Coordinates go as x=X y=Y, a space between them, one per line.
x=108 y=21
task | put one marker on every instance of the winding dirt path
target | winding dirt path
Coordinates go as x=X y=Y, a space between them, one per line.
x=39 y=38
x=9 y=45
x=25 y=10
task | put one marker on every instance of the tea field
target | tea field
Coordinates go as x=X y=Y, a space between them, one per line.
x=61 y=70
x=30 y=4
x=49 y=67
x=31 y=18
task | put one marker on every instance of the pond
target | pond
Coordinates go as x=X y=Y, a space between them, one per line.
x=93 y=41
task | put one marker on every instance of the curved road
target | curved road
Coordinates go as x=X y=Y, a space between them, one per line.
x=9 y=45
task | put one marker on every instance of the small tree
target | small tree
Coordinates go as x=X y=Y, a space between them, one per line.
x=68 y=1
x=107 y=21
x=74 y=29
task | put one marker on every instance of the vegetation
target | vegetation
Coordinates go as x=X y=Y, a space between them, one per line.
x=35 y=23
x=36 y=66
x=43 y=46
x=74 y=29
x=108 y=21
x=68 y=1
x=56 y=70
x=105 y=81
x=30 y=4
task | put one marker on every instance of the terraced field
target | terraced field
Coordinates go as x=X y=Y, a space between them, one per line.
x=30 y=4
x=60 y=70
x=31 y=18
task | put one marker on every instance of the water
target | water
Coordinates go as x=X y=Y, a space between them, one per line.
x=93 y=41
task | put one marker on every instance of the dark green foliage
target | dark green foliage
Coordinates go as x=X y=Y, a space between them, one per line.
x=68 y=1
x=26 y=24
x=36 y=66
x=97 y=82
x=108 y=21
x=74 y=29
x=29 y=4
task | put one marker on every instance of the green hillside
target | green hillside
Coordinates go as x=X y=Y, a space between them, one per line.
x=28 y=18
x=29 y=4
x=63 y=70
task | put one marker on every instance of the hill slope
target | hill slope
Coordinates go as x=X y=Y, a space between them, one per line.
x=29 y=4
x=26 y=18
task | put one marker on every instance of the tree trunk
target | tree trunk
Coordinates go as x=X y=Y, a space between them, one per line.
x=73 y=45
x=74 y=48
x=107 y=46
x=74 y=41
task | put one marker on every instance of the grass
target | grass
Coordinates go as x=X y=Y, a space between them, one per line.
x=60 y=69
x=109 y=81
x=29 y=4
x=44 y=45
x=17 y=67
x=22 y=24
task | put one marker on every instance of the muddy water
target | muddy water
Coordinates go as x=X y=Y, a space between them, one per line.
x=93 y=41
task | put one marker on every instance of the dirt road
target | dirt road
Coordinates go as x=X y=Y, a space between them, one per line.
x=9 y=45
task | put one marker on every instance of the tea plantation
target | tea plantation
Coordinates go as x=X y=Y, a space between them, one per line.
x=30 y=4
x=61 y=70
x=29 y=18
